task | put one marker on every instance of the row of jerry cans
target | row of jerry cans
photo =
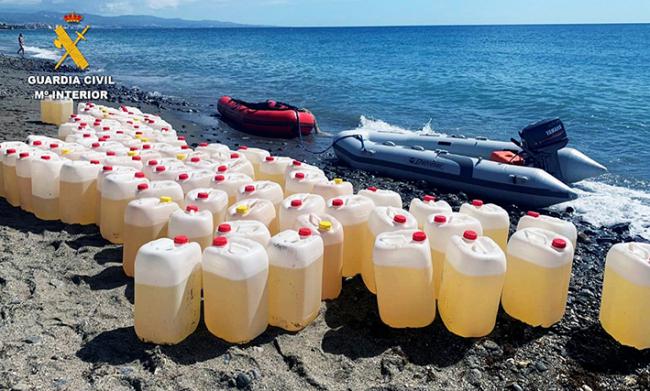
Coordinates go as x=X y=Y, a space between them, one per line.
x=246 y=284
x=532 y=284
x=147 y=219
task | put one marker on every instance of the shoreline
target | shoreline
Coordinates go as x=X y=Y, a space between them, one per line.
x=67 y=307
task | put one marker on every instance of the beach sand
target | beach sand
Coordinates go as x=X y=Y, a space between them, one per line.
x=66 y=307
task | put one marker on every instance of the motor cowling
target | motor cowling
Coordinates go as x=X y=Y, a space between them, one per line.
x=541 y=141
x=548 y=135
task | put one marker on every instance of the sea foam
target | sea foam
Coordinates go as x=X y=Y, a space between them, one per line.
x=603 y=204
x=366 y=123
x=37 y=52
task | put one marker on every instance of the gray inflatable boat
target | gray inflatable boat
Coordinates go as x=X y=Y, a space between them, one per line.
x=534 y=172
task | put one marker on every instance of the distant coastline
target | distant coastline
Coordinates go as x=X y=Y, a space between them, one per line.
x=47 y=20
x=26 y=26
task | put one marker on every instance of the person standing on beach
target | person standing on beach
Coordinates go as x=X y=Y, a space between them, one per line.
x=21 y=44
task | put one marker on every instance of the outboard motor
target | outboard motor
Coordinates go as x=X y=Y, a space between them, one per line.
x=541 y=141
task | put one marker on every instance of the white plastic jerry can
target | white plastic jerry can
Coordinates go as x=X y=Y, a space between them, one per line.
x=46 y=110
x=537 y=281
x=303 y=181
x=71 y=126
x=404 y=279
x=3 y=149
x=237 y=164
x=352 y=212
x=60 y=111
x=382 y=197
x=299 y=204
x=212 y=147
x=335 y=188
x=11 y=191
x=625 y=305
x=235 y=290
x=249 y=229
x=90 y=156
x=159 y=189
x=494 y=220
x=472 y=281
x=129 y=160
x=46 y=170
x=383 y=219
x=254 y=209
x=559 y=226
x=201 y=163
x=149 y=167
x=117 y=191
x=105 y=172
x=196 y=179
x=85 y=139
x=272 y=168
x=331 y=231
x=24 y=179
x=297 y=165
x=262 y=189
x=78 y=192
x=148 y=154
x=440 y=228
x=422 y=208
x=167 y=290
x=145 y=220
x=193 y=223
x=167 y=172
x=230 y=183
x=254 y=155
x=213 y=200
x=295 y=275
x=36 y=141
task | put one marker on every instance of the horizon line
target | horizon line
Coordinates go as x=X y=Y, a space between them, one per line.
x=258 y=25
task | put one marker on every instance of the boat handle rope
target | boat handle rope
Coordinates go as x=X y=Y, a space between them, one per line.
x=302 y=144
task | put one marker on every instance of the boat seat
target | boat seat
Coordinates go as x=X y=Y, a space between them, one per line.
x=507 y=157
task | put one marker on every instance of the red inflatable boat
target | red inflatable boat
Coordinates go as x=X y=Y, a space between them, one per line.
x=269 y=119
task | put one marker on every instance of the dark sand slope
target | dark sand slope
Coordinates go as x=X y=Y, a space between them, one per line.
x=66 y=310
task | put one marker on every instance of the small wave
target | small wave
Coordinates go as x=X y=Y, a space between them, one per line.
x=602 y=204
x=37 y=52
x=366 y=123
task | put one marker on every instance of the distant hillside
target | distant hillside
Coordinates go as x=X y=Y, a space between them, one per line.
x=98 y=21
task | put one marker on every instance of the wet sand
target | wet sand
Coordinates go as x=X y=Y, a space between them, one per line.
x=66 y=308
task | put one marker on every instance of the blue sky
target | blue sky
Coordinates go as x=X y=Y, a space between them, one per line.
x=362 y=12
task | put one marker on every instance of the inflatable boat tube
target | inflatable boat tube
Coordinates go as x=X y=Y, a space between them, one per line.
x=268 y=119
x=574 y=165
x=406 y=156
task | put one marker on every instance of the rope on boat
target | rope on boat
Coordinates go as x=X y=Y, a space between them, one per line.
x=301 y=141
